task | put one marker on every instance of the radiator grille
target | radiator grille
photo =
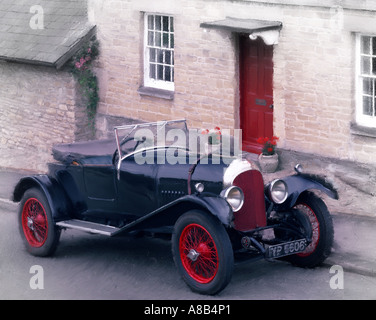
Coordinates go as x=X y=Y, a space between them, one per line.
x=252 y=214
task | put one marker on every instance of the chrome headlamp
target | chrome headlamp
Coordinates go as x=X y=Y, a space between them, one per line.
x=278 y=191
x=234 y=196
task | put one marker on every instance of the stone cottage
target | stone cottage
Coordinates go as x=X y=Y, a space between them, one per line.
x=299 y=69
x=303 y=70
x=40 y=104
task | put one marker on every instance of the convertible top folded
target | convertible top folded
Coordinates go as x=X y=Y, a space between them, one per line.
x=81 y=151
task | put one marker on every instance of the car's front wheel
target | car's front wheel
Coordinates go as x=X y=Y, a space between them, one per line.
x=202 y=252
x=321 y=231
x=36 y=225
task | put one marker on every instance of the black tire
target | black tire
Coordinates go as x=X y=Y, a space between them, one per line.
x=202 y=252
x=37 y=228
x=322 y=232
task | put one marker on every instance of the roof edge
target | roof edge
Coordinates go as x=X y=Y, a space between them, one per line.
x=59 y=63
x=27 y=61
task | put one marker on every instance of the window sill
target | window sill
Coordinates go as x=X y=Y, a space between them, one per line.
x=358 y=130
x=157 y=93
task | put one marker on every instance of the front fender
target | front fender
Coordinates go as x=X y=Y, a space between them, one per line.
x=297 y=184
x=54 y=193
x=216 y=206
x=169 y=213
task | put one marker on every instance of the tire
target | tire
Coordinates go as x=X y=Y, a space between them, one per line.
x=36 y=226
x=202 y=252
x=322 y=232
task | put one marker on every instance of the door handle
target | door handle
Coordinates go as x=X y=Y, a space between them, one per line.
x=271 y=106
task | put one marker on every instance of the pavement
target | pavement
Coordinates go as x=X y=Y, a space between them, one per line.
x=354 y=214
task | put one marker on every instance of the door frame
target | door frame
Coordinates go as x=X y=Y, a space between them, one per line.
x=251 y=147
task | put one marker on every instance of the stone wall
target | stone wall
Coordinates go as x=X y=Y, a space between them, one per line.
x=314 y=83
x=37 y=110
x=205 y=65
x=314 y=75
x=314 y=78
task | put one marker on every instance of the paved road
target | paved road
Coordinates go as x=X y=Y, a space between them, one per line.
x=95 y=267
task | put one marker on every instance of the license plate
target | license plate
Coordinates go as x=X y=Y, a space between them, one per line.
x=285 y=249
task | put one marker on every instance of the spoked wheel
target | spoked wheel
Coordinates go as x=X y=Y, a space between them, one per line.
x=303 y=208
x=202 y=252
x=198 y=253
x=321 y=233
x=34 y=223
x=36 y=226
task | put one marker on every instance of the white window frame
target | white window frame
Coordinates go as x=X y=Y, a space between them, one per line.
x=148 y=80
x=361 y=118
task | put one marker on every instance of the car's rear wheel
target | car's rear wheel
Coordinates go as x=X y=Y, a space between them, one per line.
x=37 y=229
x=202 y=252
x=322 y=232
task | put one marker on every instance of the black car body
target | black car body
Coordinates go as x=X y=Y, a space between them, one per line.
x=215 y=207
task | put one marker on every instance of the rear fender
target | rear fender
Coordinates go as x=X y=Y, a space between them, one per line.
x=297 y=184
x=55 y=195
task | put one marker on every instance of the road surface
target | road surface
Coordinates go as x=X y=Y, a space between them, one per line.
x=95 y=267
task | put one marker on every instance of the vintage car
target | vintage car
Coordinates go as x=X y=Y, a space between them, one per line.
x=214 y=208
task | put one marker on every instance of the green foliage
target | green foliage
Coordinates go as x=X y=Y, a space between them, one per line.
x=81 y=70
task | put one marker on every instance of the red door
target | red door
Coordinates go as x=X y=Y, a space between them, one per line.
x=256 y=92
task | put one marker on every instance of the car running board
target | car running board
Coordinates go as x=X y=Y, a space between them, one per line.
x=88 y=226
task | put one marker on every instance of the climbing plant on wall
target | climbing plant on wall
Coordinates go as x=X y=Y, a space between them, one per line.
x=81 y=68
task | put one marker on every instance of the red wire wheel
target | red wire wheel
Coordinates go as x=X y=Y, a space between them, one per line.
x=198 y=253
x=202 y=252
x=322 y=232
x=315 y=225
x=34 y=223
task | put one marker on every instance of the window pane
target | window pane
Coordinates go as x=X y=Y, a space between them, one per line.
x=366 y=65
x=368 y=86
x=168 y=57
x=367 y=106
x=151 y=22
x=152 y=73
x=160 y=56
x=168 y=73
x=158 y=39
x=172 y=45
x=160 y=72
x=151 y=38
x=153 y=53
x=171 y=24
x=165 y=40
x=165 y=22
x=374 y=65
x=366 y=45
x=374 y=46
x=158 y=23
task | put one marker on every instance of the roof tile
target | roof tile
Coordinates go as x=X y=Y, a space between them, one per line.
x=65 y=25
